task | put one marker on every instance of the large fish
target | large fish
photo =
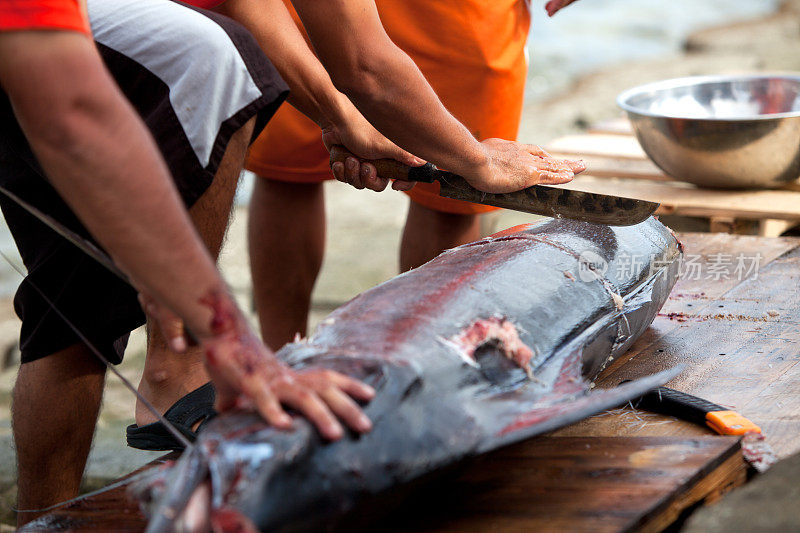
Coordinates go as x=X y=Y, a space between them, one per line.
x=488 y=344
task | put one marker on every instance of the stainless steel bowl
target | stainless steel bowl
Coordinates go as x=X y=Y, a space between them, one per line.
x=720 y=131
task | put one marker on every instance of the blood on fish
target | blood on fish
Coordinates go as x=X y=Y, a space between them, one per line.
x=230 y=520
x=496 y=329
x=757 y=452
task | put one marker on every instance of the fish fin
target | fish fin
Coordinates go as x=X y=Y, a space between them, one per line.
x=188 y=473
x=522 y=425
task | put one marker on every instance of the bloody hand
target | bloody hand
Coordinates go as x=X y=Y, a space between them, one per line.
x=247 y=375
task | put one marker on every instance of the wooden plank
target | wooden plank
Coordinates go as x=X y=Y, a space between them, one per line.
x=621 y=146
x=610 y=166
x=548 y=484
x=708 y=489
x=738 y=341
x=688 y=200
x=614 y=126
x=578 y=484
x=770 y=227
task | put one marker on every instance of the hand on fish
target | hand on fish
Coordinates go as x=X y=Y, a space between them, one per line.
x=363 y=140
x=554 y=6
x=247 y=375
x=512 y=166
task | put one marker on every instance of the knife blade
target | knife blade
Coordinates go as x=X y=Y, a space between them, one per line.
x=543 y=200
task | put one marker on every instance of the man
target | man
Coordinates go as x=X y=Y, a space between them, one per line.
x=63 y=116
x=472 y=53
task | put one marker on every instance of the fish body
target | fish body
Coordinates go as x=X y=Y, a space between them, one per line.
x=488 y=344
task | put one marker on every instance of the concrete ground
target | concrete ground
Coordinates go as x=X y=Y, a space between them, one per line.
x=364 y=227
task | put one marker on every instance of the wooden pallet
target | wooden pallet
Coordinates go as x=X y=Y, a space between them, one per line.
x=616 y=164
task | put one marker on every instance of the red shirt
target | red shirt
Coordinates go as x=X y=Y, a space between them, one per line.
x=42 y=15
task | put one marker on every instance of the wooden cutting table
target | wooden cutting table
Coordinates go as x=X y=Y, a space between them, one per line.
x=739 y=340
x=617 y=165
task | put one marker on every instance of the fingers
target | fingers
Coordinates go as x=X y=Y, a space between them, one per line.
x=348 y=172
x=173 y=330
x=312 y=407
x=400 y=185
x=536 y=150
x=392 y=151
x=268 y=406
x=247 y=376
x=554 y=6
x=169 y=324
x=353 y=387
x=553 y=171
x=555 y=178
x=346 y=409
x=576 y=166
x=352 y=174
x=371 y=179
x=359 y=174
x=257 y=390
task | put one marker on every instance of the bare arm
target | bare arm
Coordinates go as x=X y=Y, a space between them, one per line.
x=389 y=89
x=312 y=91
x=385 y=83
x=100 y=158
x=102 y=161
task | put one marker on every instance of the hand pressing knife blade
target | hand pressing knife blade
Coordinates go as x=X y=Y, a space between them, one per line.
x=539 y=199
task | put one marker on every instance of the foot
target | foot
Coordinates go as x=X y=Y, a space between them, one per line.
x=166 y=383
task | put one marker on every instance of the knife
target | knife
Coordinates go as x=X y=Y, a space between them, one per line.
x=539 y=199
x=697 y=410
x=755 y=449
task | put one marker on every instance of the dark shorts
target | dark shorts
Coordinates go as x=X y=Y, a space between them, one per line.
x=195 y=78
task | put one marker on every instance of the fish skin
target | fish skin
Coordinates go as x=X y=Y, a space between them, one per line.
x=433 y=408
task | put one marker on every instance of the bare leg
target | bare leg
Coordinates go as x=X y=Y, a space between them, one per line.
x=55 y=405
x=287 y=242
x=168 y=376
x=428 y=233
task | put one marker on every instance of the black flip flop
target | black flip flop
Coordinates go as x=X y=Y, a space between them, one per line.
x=197 y=406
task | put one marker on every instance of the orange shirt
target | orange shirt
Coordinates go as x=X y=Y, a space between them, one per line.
x=43 y=14
x=472 y=52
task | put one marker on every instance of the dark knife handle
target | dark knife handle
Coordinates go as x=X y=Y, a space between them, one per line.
x=388 y=168
x=678 y=404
